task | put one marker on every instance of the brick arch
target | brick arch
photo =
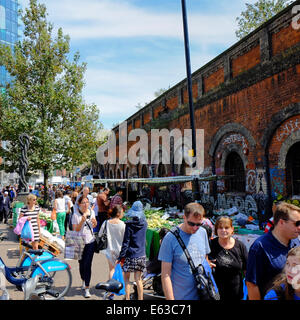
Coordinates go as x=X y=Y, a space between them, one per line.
x=227 y=128
x=276 y=121
x=286 y=145
x=233 y=148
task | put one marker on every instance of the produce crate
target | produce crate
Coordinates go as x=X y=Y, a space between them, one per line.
x=45 y=244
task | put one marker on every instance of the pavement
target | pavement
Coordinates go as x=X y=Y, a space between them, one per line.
x=9 y=249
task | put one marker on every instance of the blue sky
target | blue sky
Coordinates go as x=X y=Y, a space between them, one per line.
x=135 y=47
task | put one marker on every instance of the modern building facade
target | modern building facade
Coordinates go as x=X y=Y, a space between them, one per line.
x=8 y=30
x=9 y=35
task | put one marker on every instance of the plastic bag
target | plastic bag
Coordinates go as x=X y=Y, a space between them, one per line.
x=26 y=233
x=118 y=275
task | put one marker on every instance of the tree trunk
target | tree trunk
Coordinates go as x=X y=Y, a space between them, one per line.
x=47 y=203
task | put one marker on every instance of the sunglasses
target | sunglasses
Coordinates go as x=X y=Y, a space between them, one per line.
x=296 y=223
x=192 y=224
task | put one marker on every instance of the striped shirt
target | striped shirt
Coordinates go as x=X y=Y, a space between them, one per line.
x=33 y=215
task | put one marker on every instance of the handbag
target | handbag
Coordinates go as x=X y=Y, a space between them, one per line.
x=74 y=245
x=53 y=214
x=206 y=286
x=101 y=241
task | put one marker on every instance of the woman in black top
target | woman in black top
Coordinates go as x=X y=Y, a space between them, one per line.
x=230 y=258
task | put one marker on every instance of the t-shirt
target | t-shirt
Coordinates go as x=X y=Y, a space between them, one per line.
x=115 y=235
x=115 y=200
x=67 y=201
x=183 y=281
x=60 y=205
x=266 y=259
x=87 y=227
x=273 y=295
x=230 y=264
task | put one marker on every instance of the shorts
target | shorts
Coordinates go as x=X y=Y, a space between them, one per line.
x=134 y=264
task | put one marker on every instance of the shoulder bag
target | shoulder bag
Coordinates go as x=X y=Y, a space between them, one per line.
x=101 y=241
x=207 y=289
x=53 y=214
x=74 y=245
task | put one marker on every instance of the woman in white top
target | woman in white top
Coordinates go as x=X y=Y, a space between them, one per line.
x=115 y=229
x=84 y=221
x=59 y=206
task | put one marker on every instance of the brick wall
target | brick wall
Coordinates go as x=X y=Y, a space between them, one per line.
x=238 y=97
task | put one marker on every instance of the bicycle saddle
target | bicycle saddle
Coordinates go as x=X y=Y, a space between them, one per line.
x=110 y=286
x=38 y=252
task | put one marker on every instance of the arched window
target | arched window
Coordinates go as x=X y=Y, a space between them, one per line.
x=234 y=166
x=293 y=170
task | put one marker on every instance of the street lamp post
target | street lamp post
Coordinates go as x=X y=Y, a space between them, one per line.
x=189 y=77
x=190 y=92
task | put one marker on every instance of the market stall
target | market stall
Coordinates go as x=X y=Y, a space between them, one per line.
x=246 y=228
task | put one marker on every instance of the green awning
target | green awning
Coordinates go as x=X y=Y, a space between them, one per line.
x=162 y=180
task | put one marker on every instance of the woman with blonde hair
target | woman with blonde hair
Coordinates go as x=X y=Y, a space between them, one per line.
x=286 y=286
x=31 y=211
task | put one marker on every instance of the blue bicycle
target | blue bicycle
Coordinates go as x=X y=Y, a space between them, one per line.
x=53 y=277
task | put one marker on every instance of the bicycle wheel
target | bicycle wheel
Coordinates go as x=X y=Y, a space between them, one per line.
x=57 y=281
x=57 y=285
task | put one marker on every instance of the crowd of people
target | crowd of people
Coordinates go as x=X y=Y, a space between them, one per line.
x=269 y=270
x=7 y=196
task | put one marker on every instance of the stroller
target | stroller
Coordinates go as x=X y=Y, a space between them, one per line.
x=152 y=276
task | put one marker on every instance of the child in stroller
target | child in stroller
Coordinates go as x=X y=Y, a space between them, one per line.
x=151 y=277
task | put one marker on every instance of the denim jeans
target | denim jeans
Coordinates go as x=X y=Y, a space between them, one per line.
x=85 y=264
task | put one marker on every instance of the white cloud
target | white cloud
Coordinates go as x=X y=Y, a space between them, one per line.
x=116 y=87
x=92 y=19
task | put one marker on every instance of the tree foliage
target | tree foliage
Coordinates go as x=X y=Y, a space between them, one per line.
x=45 y=99
x=258 y=13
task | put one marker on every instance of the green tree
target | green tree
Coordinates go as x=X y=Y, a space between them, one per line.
x=258 y=13
x=45 y=99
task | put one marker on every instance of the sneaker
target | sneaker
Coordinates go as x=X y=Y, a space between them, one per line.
x=87 y=293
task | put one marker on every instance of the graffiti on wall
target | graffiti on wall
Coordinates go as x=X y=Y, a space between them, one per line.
x=246 y=205
x=251 y=181
x=286 y=130
x=277 y=179
x=235 y=138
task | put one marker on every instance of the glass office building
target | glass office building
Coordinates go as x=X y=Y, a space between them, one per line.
x=9 y=34
x=9 y=23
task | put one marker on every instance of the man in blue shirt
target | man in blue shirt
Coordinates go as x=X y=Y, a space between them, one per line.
x=267 y=255
x=177 y=278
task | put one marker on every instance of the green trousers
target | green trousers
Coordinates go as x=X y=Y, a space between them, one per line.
x=60 y=218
